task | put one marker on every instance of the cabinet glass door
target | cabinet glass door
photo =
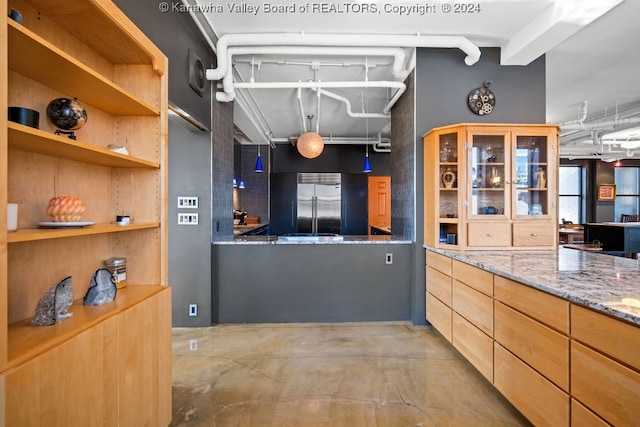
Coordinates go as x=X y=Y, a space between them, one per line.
x=448 y=188
x=530 y=176
x=488 y=174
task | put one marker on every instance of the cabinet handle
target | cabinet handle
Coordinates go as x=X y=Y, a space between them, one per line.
x=489 y=234
x=534 y=234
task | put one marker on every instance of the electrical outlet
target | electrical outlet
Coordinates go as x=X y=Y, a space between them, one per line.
x=187 y=202
x=193 y=345
x=388 y=258
x=187 y=219
x=193 y=310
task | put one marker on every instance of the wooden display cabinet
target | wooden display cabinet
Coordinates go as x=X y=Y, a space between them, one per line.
x=493 y=185
x=89 y=50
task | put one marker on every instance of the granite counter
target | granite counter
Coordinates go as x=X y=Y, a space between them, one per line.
x=273 y=240
x=605 y=283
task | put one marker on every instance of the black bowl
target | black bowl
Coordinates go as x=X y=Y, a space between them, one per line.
x=24 y=116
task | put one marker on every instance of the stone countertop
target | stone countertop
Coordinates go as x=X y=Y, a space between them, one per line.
x=273 y=240
x=606 y=283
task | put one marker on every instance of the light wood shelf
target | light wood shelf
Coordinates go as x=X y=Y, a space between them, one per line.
x=120 y=351
x=38 y=141
x=27 y=342
x=67 y=75
x=33 y=234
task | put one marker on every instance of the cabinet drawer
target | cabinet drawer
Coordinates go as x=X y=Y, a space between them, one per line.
x=537 y=398
x=474 y=306
x=478 y=279
x=439 y=262
x=608 y=388
x=439 y=284
x=533 y=233
x=541 y=347
x=489 y=234
x=548 y=309
x=439 y=315
x=474 y=345
x=613 y=337
x=583 y=417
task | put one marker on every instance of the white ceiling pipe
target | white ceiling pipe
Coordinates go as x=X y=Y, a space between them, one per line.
x=337 y=40
x=348 y=140
x=227 y=81
x=583 y=115
x=348 y=105
x=602 y=125
x=310 y=85
x=318 y=115
x=304 y=123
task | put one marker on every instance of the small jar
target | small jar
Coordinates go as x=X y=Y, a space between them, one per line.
x=118 y=268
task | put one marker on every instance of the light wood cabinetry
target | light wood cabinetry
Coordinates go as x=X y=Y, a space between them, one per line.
x=492 y=185
x=537 y=398
x=457 y=307
x=107 y=364
x=605 y=369
x=557 y=362
x=439 y=293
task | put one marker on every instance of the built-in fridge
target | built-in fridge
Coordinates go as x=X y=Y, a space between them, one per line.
x=319 y=203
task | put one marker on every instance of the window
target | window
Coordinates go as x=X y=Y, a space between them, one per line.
x=627 y=190
x=571 y=194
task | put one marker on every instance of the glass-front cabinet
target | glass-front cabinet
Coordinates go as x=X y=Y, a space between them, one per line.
x=491 y=185
x=488 y=166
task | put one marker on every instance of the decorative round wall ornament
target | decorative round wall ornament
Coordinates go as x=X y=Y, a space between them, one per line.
x=448 y=178
x=482 y=100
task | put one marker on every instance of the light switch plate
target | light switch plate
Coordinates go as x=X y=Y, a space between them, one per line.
x=187 y=202
x=187 y=219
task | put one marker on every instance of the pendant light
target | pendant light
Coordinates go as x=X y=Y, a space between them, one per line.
x=310 y=144
x=367 y=163
x=259 y=167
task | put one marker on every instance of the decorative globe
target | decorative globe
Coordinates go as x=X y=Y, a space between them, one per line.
x=67 y=114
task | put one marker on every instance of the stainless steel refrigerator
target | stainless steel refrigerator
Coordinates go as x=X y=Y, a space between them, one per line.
x=319 y=203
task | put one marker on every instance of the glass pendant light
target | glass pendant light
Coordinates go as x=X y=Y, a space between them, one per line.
x=367 y=163
x=241 y=185
x=235 y=183
x=259 y=167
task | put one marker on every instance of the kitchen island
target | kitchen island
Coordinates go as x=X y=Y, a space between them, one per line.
x=266 y=279
x=556 y=331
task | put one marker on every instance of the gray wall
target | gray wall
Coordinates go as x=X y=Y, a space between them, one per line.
x=175 y=33
x=189 y=245
x=443 y=82
x=192 y=159
x=404 y=195
x=274 y=283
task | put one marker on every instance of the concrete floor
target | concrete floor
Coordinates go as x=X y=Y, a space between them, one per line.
x=337 y=374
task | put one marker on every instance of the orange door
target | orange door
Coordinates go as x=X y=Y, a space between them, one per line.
x=379 y=202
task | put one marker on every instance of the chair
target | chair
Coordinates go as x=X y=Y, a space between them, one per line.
x=629 y=218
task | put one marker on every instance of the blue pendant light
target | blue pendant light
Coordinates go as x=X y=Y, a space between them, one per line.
x=241 y=185
x=259 y=167
x=367 y=163
x=235 y=183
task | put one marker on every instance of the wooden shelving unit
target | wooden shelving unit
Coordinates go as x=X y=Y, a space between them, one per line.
x=120 y=352
x=482 y=211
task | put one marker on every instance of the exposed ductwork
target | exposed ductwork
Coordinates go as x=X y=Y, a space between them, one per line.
x=288 y=41
x=228 y=94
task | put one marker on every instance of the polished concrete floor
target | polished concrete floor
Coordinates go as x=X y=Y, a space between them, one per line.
x=328 y=374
